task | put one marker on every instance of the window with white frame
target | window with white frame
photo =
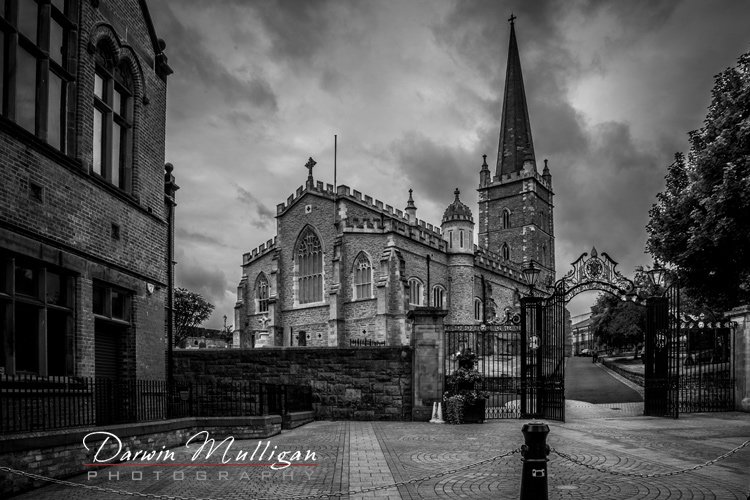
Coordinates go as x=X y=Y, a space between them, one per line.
x=415 y=292
x=309 y=256
x=478 y=309
x=362 y=277
x=261 y=291
x=438 y=297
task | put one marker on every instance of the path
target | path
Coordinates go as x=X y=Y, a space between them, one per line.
x=353 y=455
x=592 y=383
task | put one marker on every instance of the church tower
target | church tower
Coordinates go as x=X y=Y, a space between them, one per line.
x=515 y=205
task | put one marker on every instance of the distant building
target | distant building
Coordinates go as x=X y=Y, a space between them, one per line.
x=583 y=336
x=84 y=198
x=346 y=268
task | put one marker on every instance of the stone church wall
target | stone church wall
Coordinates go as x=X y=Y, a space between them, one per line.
x=364 y=383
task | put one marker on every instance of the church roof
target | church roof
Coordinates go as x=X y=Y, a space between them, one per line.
x=457 y=210
x=515 y=145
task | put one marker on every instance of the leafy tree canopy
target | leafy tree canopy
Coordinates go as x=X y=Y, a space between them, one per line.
x=617 y=323
x=190 y=311
x=700 y=223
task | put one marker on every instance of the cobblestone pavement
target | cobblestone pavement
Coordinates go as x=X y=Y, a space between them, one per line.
x=356 y=455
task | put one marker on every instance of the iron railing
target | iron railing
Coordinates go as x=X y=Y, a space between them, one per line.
x=366 y=343
x=31 y=403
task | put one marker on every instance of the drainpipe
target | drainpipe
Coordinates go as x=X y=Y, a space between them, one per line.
x=169 y=198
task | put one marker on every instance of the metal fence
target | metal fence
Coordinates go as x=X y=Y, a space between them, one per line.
x=366 y=343
x=31 y=403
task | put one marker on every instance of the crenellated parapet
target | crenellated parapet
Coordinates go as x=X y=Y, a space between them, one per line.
x=523 y=174
x=422 y=233
x=493 y=262
x=256 y=253
x=320 y=189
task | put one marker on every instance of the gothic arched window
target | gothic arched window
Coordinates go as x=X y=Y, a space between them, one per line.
x=261 y=292
x=506 y=252
x=506 y=218
x=438 y=297
x=478 y=310
x=415 y=292
x=362 y=277
x=309 y=255
x=113 y=120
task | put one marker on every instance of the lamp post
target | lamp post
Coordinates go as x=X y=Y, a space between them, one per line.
x=531 y=274
x=658 y=274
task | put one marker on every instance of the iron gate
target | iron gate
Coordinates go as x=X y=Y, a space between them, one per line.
x=662 y=357
x=498 y=350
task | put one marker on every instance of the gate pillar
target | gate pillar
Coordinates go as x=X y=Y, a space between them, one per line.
x=427 y=367
x=741 y=361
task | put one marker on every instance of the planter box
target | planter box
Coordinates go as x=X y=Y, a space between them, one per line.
x=474 y=413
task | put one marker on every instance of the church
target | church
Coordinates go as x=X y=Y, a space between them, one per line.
x=345 y=269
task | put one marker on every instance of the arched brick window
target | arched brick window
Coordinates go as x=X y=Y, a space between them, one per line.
x=261 y=293
x=309 y=256
x=113 y=119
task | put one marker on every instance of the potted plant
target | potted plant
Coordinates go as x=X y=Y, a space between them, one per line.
x=464 y=402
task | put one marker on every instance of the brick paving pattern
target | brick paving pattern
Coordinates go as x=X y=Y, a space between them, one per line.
x=355 y=455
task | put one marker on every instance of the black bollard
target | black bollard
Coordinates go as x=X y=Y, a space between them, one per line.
x=534 y=452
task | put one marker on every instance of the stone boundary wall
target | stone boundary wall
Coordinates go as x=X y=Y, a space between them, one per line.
x=633 y=377
x=362 y=383
x=61 y=453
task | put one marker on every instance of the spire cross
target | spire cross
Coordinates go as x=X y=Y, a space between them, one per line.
x=512 y=18
x=309 y=166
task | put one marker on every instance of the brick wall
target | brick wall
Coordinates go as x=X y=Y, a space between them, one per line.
x=366 y=383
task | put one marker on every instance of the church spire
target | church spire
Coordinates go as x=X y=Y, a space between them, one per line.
x=516 y=145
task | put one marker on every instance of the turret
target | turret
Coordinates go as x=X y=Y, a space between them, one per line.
x=485 y=176
x=458 y=227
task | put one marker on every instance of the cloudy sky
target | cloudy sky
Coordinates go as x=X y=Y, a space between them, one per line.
x=413 y=89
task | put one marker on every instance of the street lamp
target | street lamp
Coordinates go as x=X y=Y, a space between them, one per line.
x=531 y=274
x=658 y=274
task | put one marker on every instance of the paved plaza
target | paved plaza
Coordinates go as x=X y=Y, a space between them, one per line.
x=352 y=456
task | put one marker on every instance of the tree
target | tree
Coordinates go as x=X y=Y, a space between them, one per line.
x=190 y=310
x=617 y=323
x=700 y=223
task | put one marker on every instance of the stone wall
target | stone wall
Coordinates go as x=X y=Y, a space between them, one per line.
x=741 y=355
x=364 y=383
x=61 y=453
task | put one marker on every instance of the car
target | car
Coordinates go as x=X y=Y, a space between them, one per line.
x=585 y=352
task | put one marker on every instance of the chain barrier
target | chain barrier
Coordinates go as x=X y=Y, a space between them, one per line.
x=608 y=470
x=102 y=489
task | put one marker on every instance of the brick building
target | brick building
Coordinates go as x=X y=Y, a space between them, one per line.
x=344 y=267
x=85 y=202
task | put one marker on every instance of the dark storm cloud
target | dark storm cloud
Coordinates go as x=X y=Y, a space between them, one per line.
x=190 y=59
x=435 y=170
x=264 y=216
x=212 y=283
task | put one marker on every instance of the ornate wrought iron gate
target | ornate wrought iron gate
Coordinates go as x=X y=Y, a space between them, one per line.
x=662 y=356
x=498 y=349
x=543 y=357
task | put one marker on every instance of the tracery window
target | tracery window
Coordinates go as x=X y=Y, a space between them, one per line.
x=261 y=290
x=415 y=292
x=310 y=268
x=438 y=297
x=35 y=37
x=113 y=120
x=362 y=277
